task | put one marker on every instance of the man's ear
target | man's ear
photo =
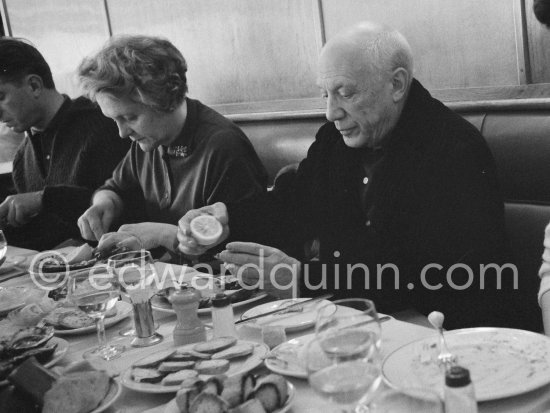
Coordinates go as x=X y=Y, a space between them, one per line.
x=35 y=85
x=400 y=83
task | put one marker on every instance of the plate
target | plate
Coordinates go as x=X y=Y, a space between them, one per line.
x=17 y=300
x=503 y=362
x=124 y=309
x=290 y=321
x=287 y=358
x=165 y=307
x=115 y=390
x=62 y=347
x=11 y=263
x=172 y=407
x=237 y=366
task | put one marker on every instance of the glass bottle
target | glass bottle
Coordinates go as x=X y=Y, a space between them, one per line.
x=459 y=391
x=222 y=316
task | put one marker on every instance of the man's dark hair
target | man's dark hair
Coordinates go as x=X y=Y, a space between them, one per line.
x=542 y=11
x=19 y=59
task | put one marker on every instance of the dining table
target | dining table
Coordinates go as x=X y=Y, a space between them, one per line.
x=397 y=331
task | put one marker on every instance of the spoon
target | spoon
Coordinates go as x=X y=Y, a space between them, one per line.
x=445 y=358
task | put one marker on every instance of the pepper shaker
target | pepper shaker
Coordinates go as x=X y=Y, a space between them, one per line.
x=189 y=328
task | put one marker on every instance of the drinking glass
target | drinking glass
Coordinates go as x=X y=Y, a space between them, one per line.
x=343 y=360
x=3 y=247
x=407 y=400
x=135 y=274
x=95 y=296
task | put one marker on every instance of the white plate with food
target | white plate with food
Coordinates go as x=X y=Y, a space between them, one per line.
x=163 y=306
x=12 y=262
x=123 y=310
x=503 y=362
x=164 y=371
x=62 y=346
x=12 y=298
x=300 y=319
x=288 y=358
x=172 y=406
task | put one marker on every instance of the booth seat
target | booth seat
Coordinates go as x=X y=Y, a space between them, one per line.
x=519 y=138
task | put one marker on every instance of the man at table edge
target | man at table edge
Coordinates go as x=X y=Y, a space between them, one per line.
x=393 y=177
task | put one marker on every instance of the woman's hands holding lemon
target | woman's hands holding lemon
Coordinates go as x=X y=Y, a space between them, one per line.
x=203 y=228
x=264 y=267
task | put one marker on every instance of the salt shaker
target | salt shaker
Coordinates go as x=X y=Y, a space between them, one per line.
x=189 y=328
x=459 y=391
x=222 y=316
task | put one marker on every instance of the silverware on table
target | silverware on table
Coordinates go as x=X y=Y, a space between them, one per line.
x=296 y=307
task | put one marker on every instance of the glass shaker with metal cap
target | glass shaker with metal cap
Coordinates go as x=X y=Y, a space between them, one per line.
x=222 y=316
x=459 y=391
x=189 y=328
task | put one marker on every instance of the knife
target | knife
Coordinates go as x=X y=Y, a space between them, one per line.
x=286 y=309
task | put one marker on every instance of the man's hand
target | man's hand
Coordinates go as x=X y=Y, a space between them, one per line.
x=187 y=243
x=17 y=210
x=96 y=220
x=147 y=235
x=265 y=267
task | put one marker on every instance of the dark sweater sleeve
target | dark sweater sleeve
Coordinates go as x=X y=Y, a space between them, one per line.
x=100 y=152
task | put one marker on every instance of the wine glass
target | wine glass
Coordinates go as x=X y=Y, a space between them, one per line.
x=95 y=296
x=3 y=247
x=343 y=360
x=135 y=274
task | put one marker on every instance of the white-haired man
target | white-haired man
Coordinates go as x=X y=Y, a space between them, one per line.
x=395 y=183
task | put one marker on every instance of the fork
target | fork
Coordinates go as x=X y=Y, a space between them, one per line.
x=445 y=357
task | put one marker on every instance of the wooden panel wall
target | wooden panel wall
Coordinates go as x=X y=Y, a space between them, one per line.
x=238 y=50
x=249 y=56
x=63 y=30
x=456 y=44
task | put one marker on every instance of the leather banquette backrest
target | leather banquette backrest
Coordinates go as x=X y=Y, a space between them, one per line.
x=520 y=143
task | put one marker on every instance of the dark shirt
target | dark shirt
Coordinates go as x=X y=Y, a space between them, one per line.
x=432 y=197
x=211 y=160
x=72 y=157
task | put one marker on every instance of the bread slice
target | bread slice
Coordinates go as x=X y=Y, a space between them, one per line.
x=212 y=366
x=141 y=375
x=250 y=406
x=271 y=391
x=77 y=393
x=175 y=379
x=154 y=359
x=215 y=345
x=238 y=350
x=172 y=366
x=186 y=395
x=75 y=319
x=208 y=403
x=190 y=355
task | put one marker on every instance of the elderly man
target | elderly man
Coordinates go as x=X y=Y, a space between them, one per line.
x=396 y=187
x=184 y=155
x=68 y=151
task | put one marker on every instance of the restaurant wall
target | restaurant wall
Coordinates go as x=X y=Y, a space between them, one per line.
x=249 y=56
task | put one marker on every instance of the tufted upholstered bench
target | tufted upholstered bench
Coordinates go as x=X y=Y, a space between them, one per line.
x=520 y=141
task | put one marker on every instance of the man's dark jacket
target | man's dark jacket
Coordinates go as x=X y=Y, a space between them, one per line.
x=433 y=198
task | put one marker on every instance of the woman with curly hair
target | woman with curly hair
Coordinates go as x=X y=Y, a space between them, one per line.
x=184 y=155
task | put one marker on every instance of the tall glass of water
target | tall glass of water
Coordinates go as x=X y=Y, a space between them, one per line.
x=95 y=295
x=3 y=247
x=343 y=361
x=135 y=275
